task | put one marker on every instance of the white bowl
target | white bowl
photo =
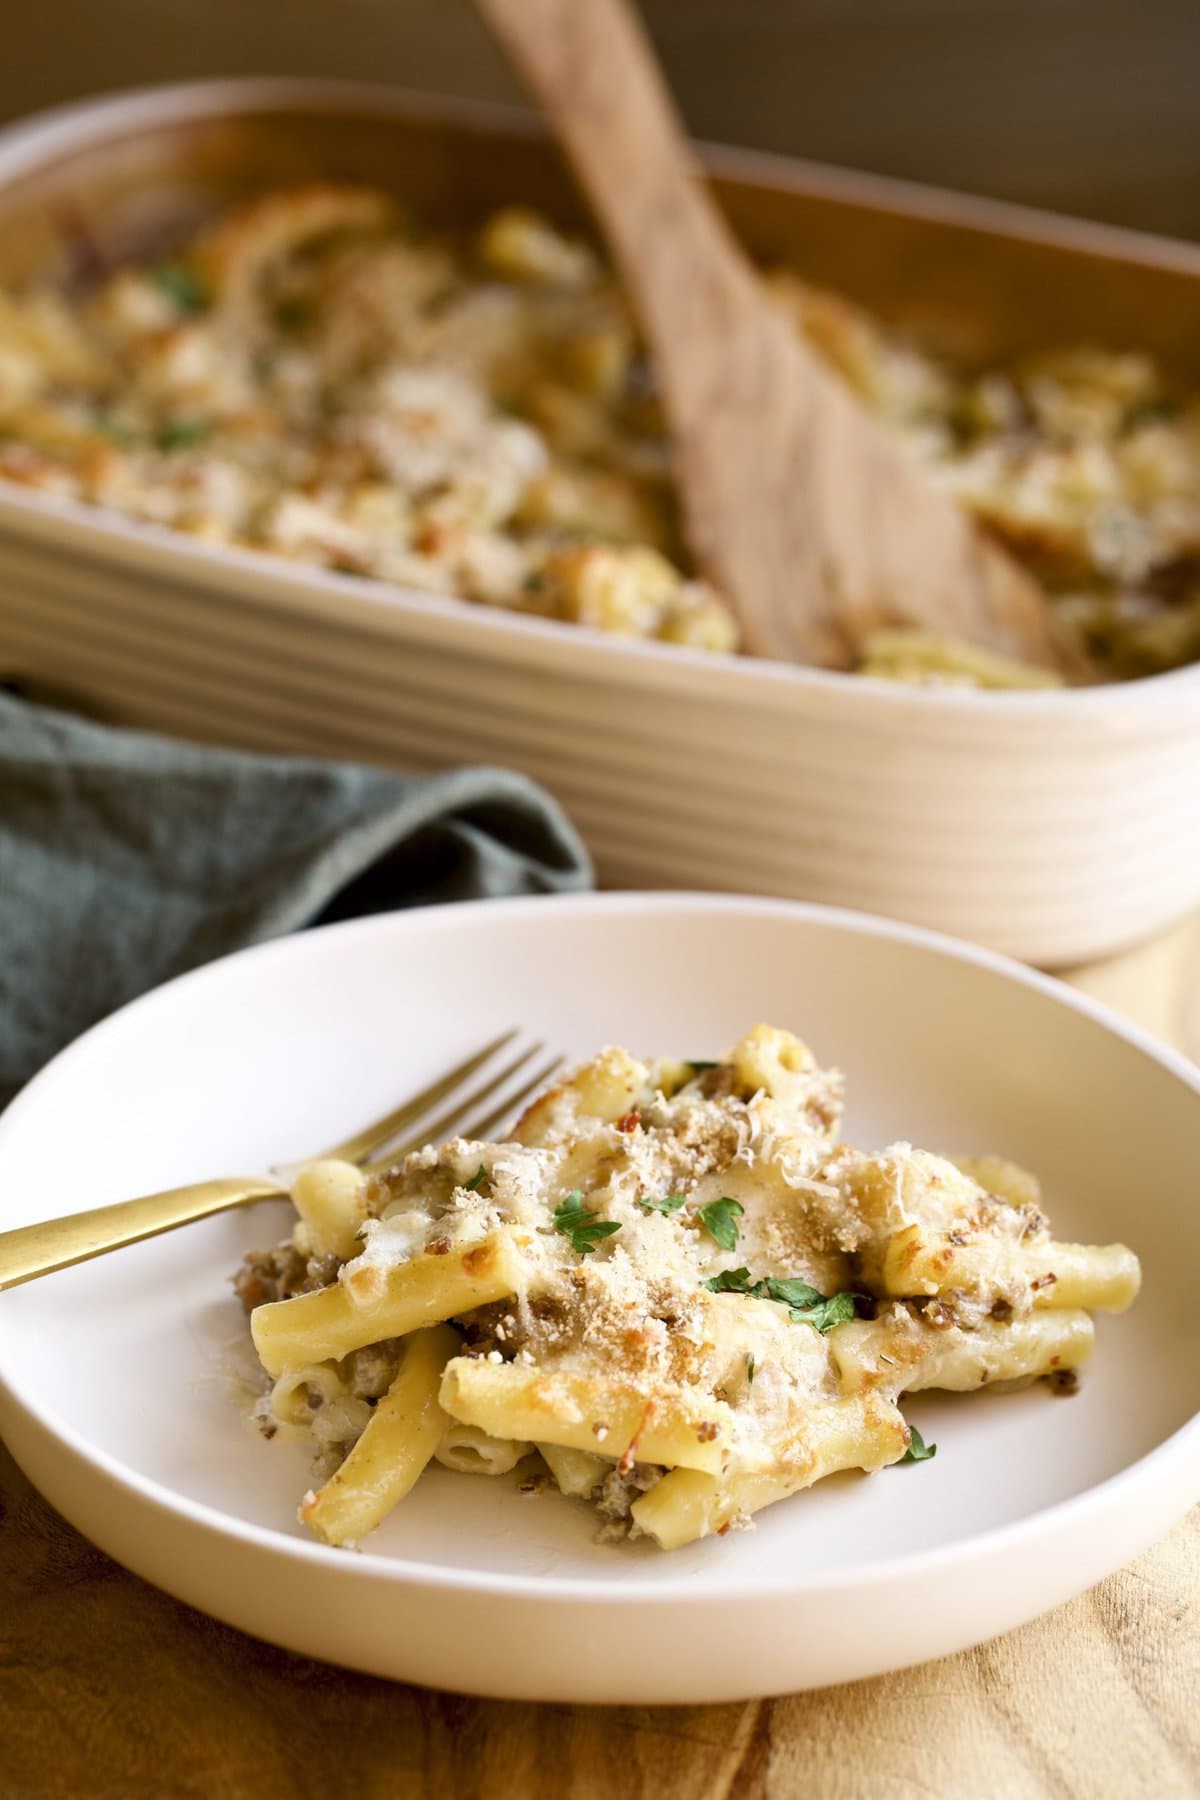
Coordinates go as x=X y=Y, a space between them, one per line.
x=115 y=1377
x=1055 y=826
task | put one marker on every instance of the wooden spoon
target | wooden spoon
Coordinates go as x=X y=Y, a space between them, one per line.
x=815 y=524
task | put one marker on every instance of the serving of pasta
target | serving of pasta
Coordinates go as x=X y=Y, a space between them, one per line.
x=671 y=1291
x=317 y=375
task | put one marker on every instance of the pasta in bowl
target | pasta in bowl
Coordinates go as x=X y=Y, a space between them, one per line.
x=672 y=1292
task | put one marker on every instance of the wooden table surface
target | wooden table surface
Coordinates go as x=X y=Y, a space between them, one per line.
x=109 y=1688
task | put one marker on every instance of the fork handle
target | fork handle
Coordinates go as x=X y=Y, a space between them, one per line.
x=33 y=1250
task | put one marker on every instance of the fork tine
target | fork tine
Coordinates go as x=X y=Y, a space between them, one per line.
x=481 y=1128
x=447 y=1122
x=357 y=1148
x=452 y=1119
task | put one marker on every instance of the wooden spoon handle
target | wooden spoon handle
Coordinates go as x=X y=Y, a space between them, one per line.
x=595 y=75
x=816 y=525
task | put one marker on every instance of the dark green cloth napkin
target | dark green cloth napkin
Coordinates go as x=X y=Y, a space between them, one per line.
x=126 y=858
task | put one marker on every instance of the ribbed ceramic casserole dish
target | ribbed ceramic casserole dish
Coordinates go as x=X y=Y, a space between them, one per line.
x=1055 y=826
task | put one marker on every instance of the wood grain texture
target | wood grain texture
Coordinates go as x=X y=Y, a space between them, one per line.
x=108 y=1688
x=814 y=523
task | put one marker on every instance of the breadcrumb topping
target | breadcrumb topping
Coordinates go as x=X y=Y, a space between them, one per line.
x=315 y=375
x=699 y=1275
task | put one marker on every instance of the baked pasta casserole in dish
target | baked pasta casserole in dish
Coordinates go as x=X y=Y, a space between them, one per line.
x=672 y=1292
x=318 y=376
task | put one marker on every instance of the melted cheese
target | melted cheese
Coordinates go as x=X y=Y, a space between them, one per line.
x=950 y=1281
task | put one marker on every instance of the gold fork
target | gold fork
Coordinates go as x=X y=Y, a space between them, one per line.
x=33 y=1250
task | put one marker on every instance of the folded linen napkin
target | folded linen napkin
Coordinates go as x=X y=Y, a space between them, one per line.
x=126 y=858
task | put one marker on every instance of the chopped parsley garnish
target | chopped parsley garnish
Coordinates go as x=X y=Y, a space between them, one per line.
x=789 y=1290
x=751 y=1366
x=806 y=1305
x=182 y=285
x=181 y=434
x=583 y=1228
x=820 y=1311
x=694 y=1062
x=670 y=1203
x=477 y=1180
x=918 y=1450
x=719 y=1219
x=736 y=1281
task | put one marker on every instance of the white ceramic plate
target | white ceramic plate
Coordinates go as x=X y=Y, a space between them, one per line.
x=116 y=1378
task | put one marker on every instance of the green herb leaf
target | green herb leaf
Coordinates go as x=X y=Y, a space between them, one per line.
x=182 y=285
x=806 y=1304
x=694 y=1062
x=789 y=1290
x=477 y=1180
x=824 y=1314
x=918 y=1450
x=582 y=1226
x=181 y=434
x=751 y=1366
x=670 y=1203
x=735 y=1281
x=719 y=1218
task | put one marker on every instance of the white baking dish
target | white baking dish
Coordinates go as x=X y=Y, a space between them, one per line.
x=1056 y=826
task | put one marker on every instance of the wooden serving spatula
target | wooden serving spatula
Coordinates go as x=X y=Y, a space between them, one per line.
x=814 y=523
